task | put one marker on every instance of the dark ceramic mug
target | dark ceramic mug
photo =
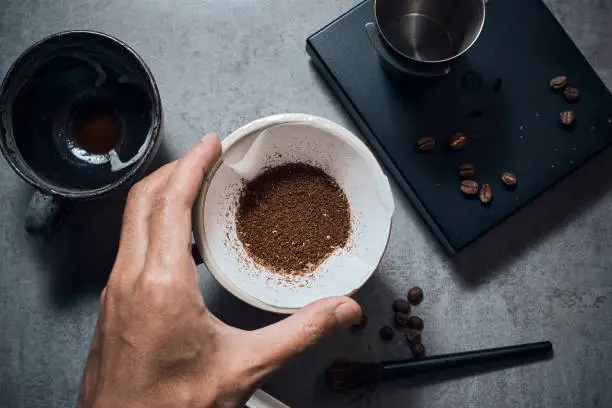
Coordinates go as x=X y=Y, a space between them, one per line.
x=80 y=116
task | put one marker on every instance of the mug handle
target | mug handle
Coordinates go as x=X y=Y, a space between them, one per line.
x=394 y=61
x=45 y=214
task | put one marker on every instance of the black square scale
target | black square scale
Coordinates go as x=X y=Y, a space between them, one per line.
x=497 y=94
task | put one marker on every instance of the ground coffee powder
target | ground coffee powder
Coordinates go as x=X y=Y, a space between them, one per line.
x=292 y=217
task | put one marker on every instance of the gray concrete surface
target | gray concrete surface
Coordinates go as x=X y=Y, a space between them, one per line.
x=544 y=274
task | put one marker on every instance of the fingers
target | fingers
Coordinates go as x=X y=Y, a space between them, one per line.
x=281 y=341
x=157 y=218
x=134 y=239
x=187 y=177
x=171 y=221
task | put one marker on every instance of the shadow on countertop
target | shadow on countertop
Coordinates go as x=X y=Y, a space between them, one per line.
x=548 y=213
x=79 y=258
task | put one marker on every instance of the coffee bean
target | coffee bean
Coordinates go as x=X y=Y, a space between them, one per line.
x=509 y=179
x=401 y=319
x=415 y=295
x=386 y=333
x=457 y=141
x=418 y=350
x=485 y=194
x=571 y=94
x=413 y=336
x=363 y=322
x=467 y=170
x=469 y=187
x=426 y=144
x=558 y=82
x=568 y=117
x=416 y=323
x=401 y=305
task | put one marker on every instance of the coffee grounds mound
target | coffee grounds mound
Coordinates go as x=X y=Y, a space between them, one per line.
x=292 y=217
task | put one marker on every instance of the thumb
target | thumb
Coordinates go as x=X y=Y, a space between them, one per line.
x=279 y=342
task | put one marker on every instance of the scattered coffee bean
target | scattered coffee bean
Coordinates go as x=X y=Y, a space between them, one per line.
x=363 y=322
x=469 y=187
x=415 y=295
x=413 y=336
x=571 y=94
x=497 y=85
x=457 y=141
x=426 y=144
x=401 y=319
x=568 y=117
x=558 y=82
x=509 y=179
x=467 y=170
x=418 y=350
x=401 y=305
x=386 y=333
x=485 y=194
x=416 y=323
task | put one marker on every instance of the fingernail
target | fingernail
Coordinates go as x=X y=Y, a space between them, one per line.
x=347 y=314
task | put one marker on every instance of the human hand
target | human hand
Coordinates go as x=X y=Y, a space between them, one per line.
x=156 y=344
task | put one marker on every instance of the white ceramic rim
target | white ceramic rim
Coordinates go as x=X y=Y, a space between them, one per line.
x=227 y=144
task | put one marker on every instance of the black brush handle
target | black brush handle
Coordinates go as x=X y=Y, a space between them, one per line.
x=406 y=368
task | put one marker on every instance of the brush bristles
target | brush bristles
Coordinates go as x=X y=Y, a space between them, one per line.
x=347 y=375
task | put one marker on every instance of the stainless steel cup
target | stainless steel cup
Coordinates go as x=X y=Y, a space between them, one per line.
x=421 y=37
x=430 y=31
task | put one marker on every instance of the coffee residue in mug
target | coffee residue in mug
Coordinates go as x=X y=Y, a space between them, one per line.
x=292 y=217
x=96 y=128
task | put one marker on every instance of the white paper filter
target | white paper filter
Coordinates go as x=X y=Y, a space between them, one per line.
x=340 y=155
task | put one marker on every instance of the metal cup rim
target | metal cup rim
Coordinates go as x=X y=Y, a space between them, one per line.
x=402 y=55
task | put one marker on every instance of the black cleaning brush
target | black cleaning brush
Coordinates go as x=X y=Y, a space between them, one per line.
x=346 y=375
